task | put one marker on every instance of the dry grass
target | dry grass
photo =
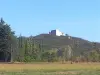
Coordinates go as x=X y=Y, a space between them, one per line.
x=49 y=67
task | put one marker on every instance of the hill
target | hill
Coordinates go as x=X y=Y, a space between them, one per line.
x=79 y=45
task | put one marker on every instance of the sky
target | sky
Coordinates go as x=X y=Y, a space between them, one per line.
x=79 y=18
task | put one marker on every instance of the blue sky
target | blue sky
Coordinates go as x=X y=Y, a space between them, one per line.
x=80 y=18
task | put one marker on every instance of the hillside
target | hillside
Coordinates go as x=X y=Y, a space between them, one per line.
x=79 y=45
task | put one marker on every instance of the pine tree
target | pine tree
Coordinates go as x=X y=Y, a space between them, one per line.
x=6 y=39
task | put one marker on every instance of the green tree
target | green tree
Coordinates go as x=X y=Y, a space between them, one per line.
x=94 y=56
x=7 y=39
x=50 y=55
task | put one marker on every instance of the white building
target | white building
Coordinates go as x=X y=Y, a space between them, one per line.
x=56 y=33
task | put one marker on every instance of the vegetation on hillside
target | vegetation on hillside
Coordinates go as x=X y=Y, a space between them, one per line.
x=45 y=47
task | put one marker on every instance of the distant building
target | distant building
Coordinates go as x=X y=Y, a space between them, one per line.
x=56 y=33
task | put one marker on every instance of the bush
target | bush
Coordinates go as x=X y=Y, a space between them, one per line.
x=28 y=59
x=49 y=56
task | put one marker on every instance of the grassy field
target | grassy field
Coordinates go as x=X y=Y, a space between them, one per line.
x=51 y=73
x=50 y=69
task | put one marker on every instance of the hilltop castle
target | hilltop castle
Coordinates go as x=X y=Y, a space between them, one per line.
x=56 y=33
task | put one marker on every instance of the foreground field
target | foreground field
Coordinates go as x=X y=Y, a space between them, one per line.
x=50 y=69
x=49 y=66
x=51 y=73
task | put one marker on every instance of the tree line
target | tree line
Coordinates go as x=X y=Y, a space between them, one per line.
x=29 y=49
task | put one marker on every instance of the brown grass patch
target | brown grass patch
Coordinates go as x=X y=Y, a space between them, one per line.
x=49 y=66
